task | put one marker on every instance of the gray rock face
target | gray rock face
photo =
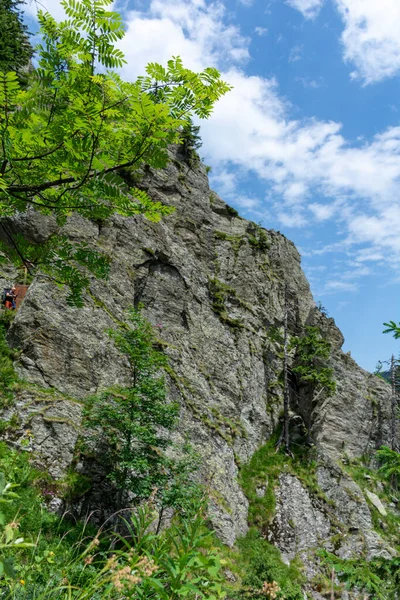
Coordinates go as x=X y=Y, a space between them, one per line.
x=351 y=513
x=47 y=423
x=213 y=284
x=300 y=523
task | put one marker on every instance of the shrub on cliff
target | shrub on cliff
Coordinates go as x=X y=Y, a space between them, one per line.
x=132 y=424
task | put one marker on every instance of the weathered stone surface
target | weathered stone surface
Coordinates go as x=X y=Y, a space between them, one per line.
x=213 y=285
x=352 y=515
x=300 y=523
x=374 y=499
x=46 y=423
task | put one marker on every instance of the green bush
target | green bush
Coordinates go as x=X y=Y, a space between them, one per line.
x=258 y=239
x=75 y=562
x=263 y=564
x=7 y=374
x=390 y=465
x=379 y=578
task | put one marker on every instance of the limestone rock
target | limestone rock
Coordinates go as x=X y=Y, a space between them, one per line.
x=374 y=499
x=213 y=284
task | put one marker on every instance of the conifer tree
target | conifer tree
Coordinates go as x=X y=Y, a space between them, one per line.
x=15 y=48
x=309 y=354
x=392 y=376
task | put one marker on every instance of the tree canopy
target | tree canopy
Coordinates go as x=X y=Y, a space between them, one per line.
x=15 y=49
x=66 y=138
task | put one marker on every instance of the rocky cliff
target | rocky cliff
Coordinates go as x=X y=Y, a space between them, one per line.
x=213 y=284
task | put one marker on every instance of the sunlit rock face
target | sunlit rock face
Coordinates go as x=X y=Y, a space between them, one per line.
x=213 y=285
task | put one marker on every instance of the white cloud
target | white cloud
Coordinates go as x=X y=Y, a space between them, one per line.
x=261 y=31
x=297 y=159
x=339 y=286
x=252 y=133
x=371 y=40
x=309 y=8
x=226 y=181
x=322 y=212
x=381 y=230
x=292 y=219
x=194 y=30
x=308 y=82
x=296 y=53
x=371 y=37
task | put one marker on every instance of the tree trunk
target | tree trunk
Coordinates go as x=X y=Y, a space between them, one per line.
x=286 y=393
x=333 y=584
x=393 y=438
x=160 y=516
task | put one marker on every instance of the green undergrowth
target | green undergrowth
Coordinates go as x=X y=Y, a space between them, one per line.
x=8 y=376
x=253 y=562
x=370 y=479
x=261 y=562
x=66 y=560
x=260 y=475
x=220 y=293
x=236 y=241
x=55 y=540
x=258 y=239
x=379 y=578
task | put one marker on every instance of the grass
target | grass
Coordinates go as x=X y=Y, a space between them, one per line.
x=262 y=473
x=74 y=561
x=261 y=562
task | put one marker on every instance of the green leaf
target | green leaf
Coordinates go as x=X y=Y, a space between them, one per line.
x=71 y=139
x=8 y=565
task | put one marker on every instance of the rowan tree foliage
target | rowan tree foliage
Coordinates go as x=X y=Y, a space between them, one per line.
x=131 y=423
x=15 y=48
x=65 y=139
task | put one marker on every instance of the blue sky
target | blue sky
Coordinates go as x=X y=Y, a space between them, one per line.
x=308 y=141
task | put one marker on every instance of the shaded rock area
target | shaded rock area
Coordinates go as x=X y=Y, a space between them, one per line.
x=213 y=285
x=46 y=422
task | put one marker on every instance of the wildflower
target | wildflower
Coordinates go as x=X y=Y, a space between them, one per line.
x=111 y=564
x=146 y=566
x=94 y=542
x=124 y=578
x=88 y=560
x=270 y=589
x=22 y=581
